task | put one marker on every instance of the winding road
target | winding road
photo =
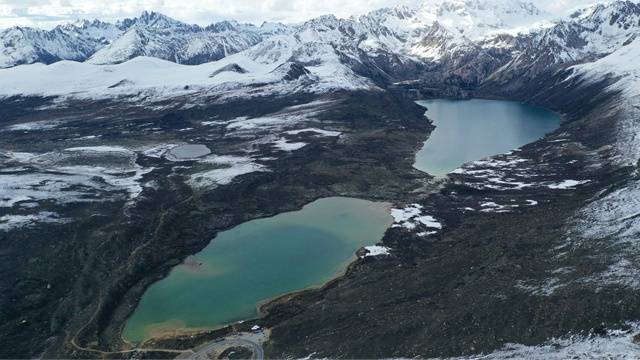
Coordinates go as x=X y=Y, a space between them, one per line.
x=247 y=340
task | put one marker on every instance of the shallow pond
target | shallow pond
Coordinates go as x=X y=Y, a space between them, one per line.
x=256 y=261
x=188 y=151
x=468 y=130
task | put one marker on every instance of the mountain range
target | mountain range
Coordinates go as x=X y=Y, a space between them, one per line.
x=151 y=34
x=455 y=41
x=401 y=28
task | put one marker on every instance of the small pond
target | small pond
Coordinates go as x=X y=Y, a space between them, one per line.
x=188 y=151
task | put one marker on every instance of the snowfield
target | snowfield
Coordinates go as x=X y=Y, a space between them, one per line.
x=144 y=77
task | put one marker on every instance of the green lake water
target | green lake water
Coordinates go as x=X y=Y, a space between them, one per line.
x=256 y=261
x=468 y=130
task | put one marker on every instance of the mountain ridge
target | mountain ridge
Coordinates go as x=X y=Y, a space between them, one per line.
x=380 y=48
x=194 y=44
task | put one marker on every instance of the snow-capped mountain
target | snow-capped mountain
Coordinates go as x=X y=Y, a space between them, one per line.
x=23 y=45
x=588 y=34
x=501 y=56
x=400 y=30
x=434 y=28
x=462 y=42
x=151 y=34
x=395 y=42
x=156 y=35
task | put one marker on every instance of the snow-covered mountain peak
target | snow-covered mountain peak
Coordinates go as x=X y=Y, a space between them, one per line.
x=157 y=35
x=83 y=24
x=328 y=29
x=152 y=16
x=621 y=13
x=597 y=30
x=274 y=28
x=323 y=22
x=225 y=25
x=433 y=29
x=157 y=20
x=24 y=45
x=99 y=31
x=477 y=18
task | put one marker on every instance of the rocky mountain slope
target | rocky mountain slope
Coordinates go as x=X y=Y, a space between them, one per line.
x=622 y=67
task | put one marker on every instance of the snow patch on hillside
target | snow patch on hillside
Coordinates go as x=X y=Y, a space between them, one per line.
x=284 y=145
x=615 y=344
x=318 y=132
x=101 y=149
x=376 y=250
x=11 y=222
x=35 y=125
x=224 y=175
x=228 y=168
x=412 y=217
x=567 y=184
x=70 y=176
x=508 y=172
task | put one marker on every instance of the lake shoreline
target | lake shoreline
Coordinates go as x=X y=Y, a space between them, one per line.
x=358 y=212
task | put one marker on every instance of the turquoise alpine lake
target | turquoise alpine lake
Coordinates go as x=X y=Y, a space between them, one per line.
x=256 y=261
x=468 y=130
